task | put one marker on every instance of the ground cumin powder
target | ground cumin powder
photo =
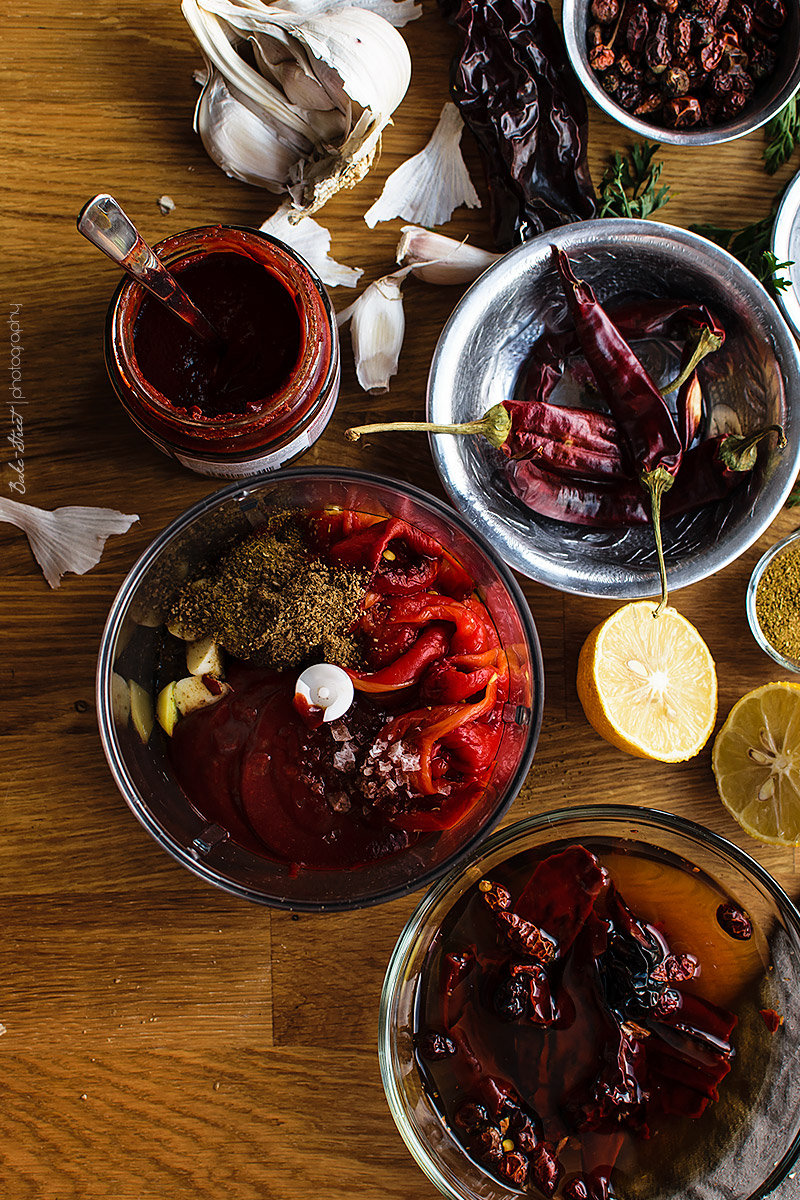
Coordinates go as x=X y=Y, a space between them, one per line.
x=778 y=602
x=271 y=600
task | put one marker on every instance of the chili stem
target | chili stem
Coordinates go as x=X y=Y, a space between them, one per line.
x=495 y=425
x=658 y=482
x=707 y=343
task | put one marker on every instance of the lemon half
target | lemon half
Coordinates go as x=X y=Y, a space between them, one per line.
x=648 y=684
x=756 y=763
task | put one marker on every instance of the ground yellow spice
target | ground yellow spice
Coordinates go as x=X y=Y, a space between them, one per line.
x=778 y=602
x=271 y=600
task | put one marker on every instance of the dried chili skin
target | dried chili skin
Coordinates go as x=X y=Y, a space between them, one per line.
x=518 y=95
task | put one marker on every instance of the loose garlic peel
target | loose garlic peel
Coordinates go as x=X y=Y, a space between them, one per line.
x=329 y=86
x=67 y=539
x=430 y=186
x=313 y=242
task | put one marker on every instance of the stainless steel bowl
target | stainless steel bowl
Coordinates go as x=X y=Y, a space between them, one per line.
x=754 y=380
x=766 y=102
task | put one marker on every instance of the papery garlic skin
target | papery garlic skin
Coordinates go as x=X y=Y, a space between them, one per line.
x=67 y=539
x=429 y=187
x=440 y=259
x=377 y=327
x=333 y=78
x=313 y=242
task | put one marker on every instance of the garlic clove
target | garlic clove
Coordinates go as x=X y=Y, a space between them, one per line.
x=440 y=259
x=243 y=144
x=219 y=48
x=377 y=326
x=67 y=539
x=313 y=242
x=429 y=187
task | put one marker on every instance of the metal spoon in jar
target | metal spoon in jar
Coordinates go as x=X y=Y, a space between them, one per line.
x=105 y=224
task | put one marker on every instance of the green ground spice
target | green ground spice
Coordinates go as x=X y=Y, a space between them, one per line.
x=778 y=602
x=268 y=599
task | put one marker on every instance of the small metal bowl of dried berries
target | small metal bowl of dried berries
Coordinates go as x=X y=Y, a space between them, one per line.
x=319 y=689
x=645 y=380
x=686 y=72
x=600 y=1003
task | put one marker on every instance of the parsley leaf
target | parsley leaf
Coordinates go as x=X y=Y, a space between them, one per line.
x=629 y=186
x=750 y=244
x=783 y=134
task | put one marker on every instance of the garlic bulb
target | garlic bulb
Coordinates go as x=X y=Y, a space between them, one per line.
x=68 y=539
x=313 y=242
x=429 y=187
x=439 y=259
x=326 y=85
x=377 y=326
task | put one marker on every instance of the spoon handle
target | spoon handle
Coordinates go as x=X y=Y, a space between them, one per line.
x=105 y=224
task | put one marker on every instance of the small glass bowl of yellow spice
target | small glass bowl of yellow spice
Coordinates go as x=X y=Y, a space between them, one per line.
x=773 y=602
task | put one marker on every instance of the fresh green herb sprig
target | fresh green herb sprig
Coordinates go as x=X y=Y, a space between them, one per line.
x=750 y=244
x=782 y=135
x=629 y=187
x=794 y=496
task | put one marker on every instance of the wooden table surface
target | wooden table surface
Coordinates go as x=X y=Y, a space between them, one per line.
x=163 y=1040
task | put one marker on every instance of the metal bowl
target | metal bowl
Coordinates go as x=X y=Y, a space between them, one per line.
x=765 y=103
x=754 y=380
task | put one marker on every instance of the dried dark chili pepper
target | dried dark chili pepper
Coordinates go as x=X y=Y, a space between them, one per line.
x=708 y=472
x=517 y=93
x=736 y=923
x=645 y=423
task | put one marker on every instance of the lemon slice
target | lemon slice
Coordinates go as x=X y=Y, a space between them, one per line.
x=756 y=763
x=648 y=684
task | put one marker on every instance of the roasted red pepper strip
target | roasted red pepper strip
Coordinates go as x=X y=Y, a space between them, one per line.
x=473 y=630
x=458 y=678
x=428 y=650
x=423 y=730
x=401 y=558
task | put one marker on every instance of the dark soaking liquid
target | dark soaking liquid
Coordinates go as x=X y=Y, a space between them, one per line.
x=588 y=1027
x=258 y=320
x=415 y=752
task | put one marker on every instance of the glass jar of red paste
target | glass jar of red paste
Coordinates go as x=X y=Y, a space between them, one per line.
x=268 y=395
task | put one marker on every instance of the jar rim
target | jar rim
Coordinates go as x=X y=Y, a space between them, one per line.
x=313 y=306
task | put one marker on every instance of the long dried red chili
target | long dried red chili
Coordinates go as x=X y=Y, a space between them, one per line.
x=708 y=472
x=645 y=422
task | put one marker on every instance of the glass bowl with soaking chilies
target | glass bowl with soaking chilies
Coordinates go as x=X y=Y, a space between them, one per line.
x=677 y=877
x=136 y=645
x=784 y=602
